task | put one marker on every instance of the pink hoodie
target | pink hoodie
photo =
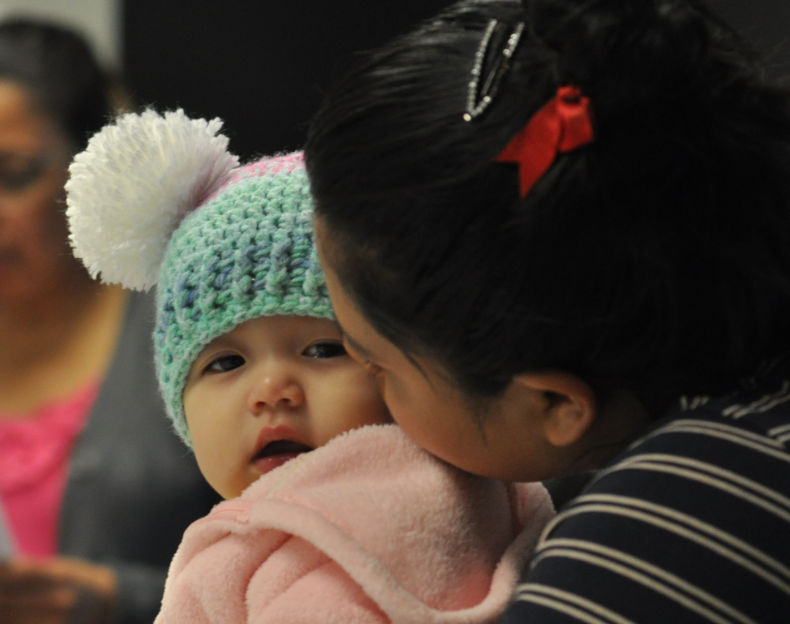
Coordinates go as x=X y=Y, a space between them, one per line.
x=368 y=528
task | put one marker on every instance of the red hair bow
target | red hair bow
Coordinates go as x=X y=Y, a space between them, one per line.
x=562 y=125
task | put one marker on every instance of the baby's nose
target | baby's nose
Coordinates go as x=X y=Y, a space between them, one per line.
x=276 y=387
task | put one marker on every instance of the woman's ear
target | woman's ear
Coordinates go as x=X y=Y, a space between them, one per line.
x=570 y=407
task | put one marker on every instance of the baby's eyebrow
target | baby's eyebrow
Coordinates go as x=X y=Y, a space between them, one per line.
x=212 y=343
x=221 y=341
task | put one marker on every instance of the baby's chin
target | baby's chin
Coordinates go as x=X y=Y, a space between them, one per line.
x=270 y=457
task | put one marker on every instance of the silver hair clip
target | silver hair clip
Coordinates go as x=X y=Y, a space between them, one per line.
x=479 y=98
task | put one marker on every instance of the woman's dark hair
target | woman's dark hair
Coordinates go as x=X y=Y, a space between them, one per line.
x=58 y=68
x=655 y=260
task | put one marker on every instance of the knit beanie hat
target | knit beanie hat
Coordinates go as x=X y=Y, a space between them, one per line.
x=157 y=199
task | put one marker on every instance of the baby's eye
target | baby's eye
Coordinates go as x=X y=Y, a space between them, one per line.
x=327 y=349
x=224 y=363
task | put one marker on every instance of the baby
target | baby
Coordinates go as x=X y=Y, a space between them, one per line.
x=332 y=514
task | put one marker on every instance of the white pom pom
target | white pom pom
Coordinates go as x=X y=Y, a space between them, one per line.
x=134 y=183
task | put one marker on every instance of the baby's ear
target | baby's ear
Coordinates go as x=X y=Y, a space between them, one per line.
x=570 y=409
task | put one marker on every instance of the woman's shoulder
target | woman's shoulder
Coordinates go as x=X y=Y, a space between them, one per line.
x=716 y=465
x=685 y=523
x=744 y=434
x=758 y=408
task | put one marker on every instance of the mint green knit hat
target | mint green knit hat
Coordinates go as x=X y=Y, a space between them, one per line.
x=245 y=248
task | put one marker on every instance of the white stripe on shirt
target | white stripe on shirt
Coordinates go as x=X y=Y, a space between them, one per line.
x=691 y=521
x=569 y=603
x=639 y=571
x=770 y=571
x=722 y=431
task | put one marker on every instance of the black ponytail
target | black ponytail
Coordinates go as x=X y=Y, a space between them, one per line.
x=656 y=259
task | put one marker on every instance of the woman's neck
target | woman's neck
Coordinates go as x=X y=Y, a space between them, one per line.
x=54 y=345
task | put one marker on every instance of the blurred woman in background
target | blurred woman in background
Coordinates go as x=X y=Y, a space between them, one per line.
x=89 y=470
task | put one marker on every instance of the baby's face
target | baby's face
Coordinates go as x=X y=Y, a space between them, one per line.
x=270 y=389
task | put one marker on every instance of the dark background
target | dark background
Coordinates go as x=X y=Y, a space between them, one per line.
x=766 y=23
x=261 y=66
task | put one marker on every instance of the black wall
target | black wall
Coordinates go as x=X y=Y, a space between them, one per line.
x=260 y=66
x=766 y=23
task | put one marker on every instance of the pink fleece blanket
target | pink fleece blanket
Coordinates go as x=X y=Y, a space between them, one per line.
x=366 y=529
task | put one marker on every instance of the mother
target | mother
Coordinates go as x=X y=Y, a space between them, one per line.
x=558 y=234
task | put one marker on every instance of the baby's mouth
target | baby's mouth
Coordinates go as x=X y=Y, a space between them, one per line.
x=281 y=447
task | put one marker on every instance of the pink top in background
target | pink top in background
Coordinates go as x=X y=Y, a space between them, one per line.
x=34 y=453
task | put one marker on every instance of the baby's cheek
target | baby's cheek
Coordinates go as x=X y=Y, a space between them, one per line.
x=357 y=402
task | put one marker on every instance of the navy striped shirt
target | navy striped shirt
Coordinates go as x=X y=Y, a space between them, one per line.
x=691 y=524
